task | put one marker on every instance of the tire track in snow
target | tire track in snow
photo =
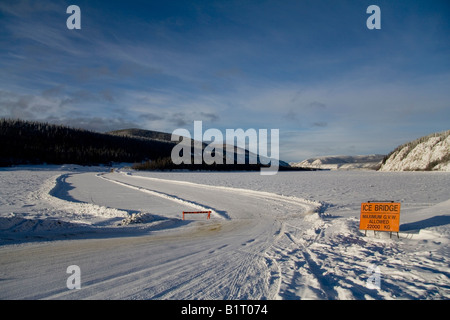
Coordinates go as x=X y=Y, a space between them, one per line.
x=299 y=275
x=315 y=274
x=231 y=263
x=285 y=208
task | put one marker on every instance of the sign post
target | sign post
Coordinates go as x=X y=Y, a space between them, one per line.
x=380 y=216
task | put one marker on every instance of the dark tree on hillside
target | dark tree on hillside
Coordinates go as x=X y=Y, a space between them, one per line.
x=25 y=142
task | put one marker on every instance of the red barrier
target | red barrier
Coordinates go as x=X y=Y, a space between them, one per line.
x=195 y=212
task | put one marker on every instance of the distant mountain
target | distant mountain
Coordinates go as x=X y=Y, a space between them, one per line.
x=141 y=133
x=246 y=154
x=428 y=153
x=370 y=162
x=162 y=136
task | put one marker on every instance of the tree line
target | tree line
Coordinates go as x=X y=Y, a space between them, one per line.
x=28 y=142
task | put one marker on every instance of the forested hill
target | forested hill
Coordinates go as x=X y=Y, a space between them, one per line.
x=428 y=153
x=145 y=134
x=25 y=142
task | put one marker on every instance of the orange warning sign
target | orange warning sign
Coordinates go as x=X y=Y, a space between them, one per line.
x=380 y=216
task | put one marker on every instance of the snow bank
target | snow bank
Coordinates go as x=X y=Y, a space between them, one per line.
x=54 y=192
x=34 y=204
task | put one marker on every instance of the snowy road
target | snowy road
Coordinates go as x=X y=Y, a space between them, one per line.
x=258 y=244
x=222 y=258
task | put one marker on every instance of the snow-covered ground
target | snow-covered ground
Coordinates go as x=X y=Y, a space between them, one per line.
x=294 y=235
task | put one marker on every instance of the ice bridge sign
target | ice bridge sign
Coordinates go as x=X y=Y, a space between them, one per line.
x=380 y=216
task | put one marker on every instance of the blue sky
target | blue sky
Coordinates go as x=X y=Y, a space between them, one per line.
x=311 y=69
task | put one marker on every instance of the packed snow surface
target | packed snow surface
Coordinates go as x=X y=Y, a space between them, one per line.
x=294 y=235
